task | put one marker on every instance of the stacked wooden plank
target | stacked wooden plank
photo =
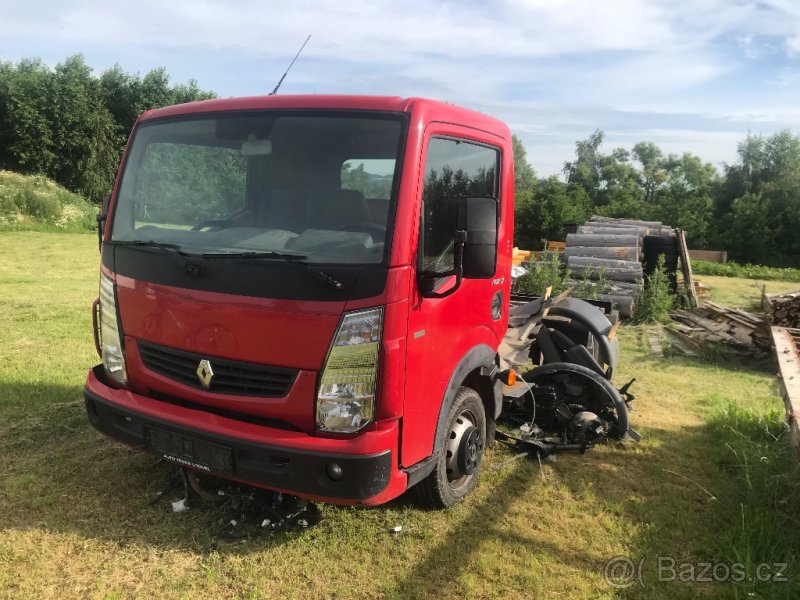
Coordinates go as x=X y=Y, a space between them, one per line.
x=783 y=310
x=519 y=256
x=787 y=351
x=712 y=322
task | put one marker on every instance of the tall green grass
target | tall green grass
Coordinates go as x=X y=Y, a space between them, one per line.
x=755 y=451
x=36 y=202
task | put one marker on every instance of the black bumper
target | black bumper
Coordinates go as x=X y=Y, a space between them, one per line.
x=295 y=471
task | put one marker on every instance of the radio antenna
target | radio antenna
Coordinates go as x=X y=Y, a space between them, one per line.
x=275 y=91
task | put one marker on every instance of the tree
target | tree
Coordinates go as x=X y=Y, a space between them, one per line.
x=766 y=178
x=653 y=173
x=70 y=125
x=524 y=175
x=585 y=170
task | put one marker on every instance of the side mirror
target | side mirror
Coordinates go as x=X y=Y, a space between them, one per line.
x=478 y=218
x=474 y=246
x=101 y=220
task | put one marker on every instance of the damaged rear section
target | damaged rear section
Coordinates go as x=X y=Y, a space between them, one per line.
x=565 y=351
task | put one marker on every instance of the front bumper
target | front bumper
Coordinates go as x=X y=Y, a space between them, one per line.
x=289 y=461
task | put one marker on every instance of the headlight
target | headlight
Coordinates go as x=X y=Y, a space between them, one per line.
x=346 y=398
x=110 y=334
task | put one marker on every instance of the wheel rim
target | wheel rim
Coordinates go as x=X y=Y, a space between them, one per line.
x=464 y=449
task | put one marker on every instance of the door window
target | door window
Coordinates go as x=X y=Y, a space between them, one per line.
x=453 y=169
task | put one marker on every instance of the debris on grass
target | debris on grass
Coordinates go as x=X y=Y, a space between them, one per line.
x=244 y=512
x=714 y=323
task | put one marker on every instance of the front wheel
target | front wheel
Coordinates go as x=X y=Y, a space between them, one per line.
x=459 y=460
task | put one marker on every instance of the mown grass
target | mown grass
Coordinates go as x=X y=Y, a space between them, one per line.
x=75 y=520
x=744 y=293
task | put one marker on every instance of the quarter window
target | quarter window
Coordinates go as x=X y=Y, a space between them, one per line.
x=453 y=169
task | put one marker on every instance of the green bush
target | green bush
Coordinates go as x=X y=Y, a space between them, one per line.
x=734 y=269
x=656 y=300
x=542 y=273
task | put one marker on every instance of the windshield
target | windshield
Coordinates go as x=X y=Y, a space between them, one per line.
x=319 y=187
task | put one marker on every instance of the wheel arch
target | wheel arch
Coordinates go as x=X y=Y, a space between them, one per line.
x=474 y=370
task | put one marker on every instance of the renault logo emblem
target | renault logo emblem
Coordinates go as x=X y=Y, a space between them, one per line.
x=205 y=373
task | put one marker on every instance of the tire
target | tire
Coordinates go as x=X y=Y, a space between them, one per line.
x=601 y=398
x=456 y=473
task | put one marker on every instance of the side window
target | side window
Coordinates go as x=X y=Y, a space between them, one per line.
x=453 y=169
x=371 y=176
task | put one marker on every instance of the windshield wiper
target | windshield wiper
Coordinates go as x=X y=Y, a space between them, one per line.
x=294 y=259
x=150 y=244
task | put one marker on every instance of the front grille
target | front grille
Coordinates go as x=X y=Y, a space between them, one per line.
x=230 y=376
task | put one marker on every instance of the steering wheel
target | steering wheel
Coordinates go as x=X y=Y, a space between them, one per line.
x=378 y=232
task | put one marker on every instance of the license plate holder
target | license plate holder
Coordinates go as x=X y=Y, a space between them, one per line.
x=189 y=451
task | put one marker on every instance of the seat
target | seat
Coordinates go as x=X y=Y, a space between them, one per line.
x=284 y=209
x=331 y=209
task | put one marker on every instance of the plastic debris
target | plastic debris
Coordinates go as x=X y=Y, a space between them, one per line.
x=396 y=529
x=244 y=512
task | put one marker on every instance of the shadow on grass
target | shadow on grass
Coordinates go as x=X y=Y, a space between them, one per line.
x=668 y=499
x=61 y=475
x=668 y=496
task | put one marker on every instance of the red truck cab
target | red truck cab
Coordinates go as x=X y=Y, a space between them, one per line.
x=307 y=293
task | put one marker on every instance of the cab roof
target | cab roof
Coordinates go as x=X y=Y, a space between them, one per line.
x=430 y=110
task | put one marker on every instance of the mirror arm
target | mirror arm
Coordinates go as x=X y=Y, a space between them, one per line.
x=101 y=222
x=101 y=217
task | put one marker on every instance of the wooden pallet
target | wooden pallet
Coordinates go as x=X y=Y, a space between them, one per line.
x=787 y=350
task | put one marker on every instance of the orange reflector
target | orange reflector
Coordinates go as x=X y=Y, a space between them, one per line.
x=508 y=377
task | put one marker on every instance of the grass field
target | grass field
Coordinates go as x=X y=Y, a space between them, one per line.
x=711 y=481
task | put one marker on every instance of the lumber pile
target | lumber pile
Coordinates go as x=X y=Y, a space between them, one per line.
x=616 y=250
x=712 y=322
x=783 y=310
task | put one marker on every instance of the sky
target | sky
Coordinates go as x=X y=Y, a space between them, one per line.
x=690 y=75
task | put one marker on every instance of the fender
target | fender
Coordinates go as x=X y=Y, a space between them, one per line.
x=477 y=357
x=596 y=323
x=480 y=356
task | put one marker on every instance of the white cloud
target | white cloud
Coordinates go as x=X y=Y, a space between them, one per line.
x=554 y=69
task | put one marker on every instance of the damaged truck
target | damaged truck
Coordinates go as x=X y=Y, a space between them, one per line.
x=312 y=294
